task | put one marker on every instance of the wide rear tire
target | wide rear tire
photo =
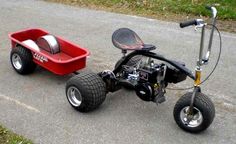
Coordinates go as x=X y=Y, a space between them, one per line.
x=85 y=91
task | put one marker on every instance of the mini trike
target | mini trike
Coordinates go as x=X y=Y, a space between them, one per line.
x=138 y=70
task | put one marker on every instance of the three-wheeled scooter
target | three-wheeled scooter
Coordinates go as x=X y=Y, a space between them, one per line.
x=138 y=70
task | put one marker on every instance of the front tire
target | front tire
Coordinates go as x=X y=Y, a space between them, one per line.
x=203 y=113
x=85 y=91
x=22 y=60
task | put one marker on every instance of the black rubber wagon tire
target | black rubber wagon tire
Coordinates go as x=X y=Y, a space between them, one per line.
x=203 y=109
x=85 y=91
x=22 y=60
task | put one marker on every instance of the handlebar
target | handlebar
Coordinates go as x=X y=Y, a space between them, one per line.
x=213 y=11
x=214 y=14
x=199 y=23
x=188 y=23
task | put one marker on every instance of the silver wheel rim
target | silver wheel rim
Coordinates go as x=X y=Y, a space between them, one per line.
x=74 y=96
x=196 y=119
x=16 y=61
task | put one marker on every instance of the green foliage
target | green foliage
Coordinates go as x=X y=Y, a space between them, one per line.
x=226 y=8
x=7 y=137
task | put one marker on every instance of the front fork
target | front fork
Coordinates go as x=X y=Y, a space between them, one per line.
x=201 y=61
x=196 y=89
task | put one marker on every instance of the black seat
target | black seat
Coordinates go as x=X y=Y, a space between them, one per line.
x=126 y=39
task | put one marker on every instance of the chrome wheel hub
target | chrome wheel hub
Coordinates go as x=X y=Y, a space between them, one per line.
x=191 y=120
x=74 y=96
x=16 y=61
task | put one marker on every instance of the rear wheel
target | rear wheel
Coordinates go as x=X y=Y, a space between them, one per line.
x=85 y=91
x=201 y=117
x=22 y=60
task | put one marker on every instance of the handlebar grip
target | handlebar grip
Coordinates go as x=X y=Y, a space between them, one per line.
x=188 y=23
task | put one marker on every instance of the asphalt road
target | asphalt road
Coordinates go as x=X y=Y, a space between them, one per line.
x=36 y=107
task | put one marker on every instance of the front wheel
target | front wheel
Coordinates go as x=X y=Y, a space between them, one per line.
x=202 y=115
x=85 y=91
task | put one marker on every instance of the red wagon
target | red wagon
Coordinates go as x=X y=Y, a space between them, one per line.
x=25 y=56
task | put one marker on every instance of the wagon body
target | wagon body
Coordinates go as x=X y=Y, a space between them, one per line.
x=70 y=58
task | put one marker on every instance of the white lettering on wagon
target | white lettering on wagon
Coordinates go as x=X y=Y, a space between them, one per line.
x=40 y=57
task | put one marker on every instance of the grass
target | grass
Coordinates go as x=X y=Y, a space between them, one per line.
x=8 y=137
x=226 y=8
x=170 y=10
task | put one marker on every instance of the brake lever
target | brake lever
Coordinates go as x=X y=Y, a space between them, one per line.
x=200 y=24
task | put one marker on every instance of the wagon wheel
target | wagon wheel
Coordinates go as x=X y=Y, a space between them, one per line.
x=22 y=60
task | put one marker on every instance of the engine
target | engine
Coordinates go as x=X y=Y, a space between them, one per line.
x=150 y=85
x=150 y=79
